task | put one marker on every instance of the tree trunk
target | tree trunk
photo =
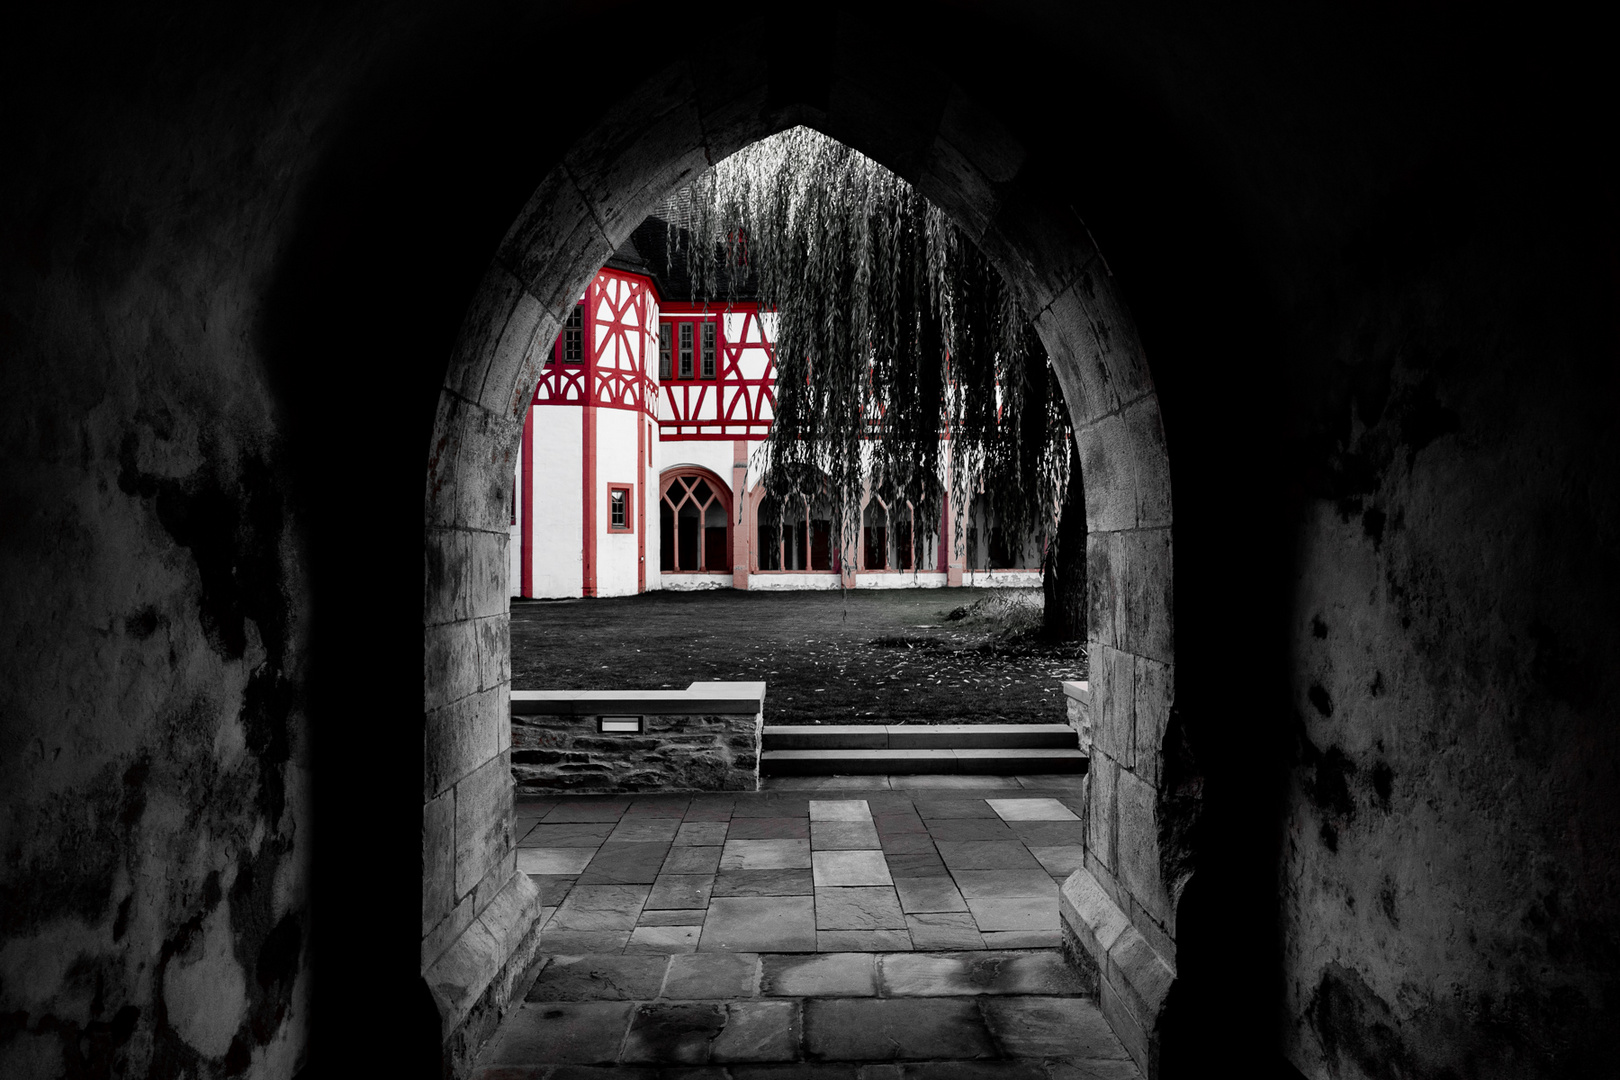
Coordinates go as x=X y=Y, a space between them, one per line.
x=1064 y=568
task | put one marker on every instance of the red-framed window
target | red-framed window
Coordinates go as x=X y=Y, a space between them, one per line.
x=801 y=540
x=621 y=507
x=689 y=347
x=571 y=345
x=694 y=522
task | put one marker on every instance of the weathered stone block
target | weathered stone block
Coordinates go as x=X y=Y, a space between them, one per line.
x=487 y=316
x=438 y=859
x=1104 y=772
x=1101 y=627
x=1155 y=693
x=1144 y=620
x=461 y=736
x=1066 y=333
x=446 y=585
x=1137 y=843
x=1106 y=463
x=1150 y=463
x=450 y=666
x=494 y=652
x=483 y=821
x=1113 y=675
x=488 y=570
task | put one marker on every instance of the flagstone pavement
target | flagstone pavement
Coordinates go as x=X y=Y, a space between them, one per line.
x=866 y=864
x=827 y=928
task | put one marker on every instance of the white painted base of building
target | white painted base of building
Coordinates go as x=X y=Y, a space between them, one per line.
x=932 y=579
x=1002 y=579
x=786 y=581
x=695 y=582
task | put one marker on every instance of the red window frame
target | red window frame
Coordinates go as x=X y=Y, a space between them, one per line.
x=698 y=333
x=629 y=525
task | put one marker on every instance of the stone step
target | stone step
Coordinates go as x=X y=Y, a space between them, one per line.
x=918 y=736
x=834 y=1015
x=995 y=761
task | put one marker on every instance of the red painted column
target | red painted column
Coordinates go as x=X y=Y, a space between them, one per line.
x=526 y=514
x=588 y=502
x=640 y=496
x=742 y=526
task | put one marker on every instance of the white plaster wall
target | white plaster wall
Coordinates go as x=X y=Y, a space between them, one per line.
x=933 y=579
x=784 y=581
x=617 y=554
x=557 y=564
x=711 y=454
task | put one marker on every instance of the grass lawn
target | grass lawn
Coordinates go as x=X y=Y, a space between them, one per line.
x=876 y=656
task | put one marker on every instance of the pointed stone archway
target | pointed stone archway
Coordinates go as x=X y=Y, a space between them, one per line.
x=1120 y=909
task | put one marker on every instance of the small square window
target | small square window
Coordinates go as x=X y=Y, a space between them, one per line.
x=573 y=337
x=620 y=510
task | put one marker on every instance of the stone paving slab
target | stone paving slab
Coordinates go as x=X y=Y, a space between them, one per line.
x=842 y=835
x=561 y=1033
x=760 y=924
x=1026 y=809
x=859 y=908
x=944 y=930
x=1062 y=860
x=554 y=862
x=1068 y=1027
x=1005 y=883
x=1015 y=912
x=769 y=828
x=791 y=882
x=692 y=860
x=664 y=940
x=625 y=864
x=713 y=975
x=598 y=978
x=765 y=855
x=998 y=973
x=920 y=895
x=857 y=1029
x=873 y=941
x=587 y=834
x=702 y=833
x=840 y=810
x=827 y=975
x=673 y=1032
x=759 y=1031
x=851 y=868
x=988 y=857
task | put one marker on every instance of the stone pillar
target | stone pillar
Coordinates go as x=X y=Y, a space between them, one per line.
x=742 y=522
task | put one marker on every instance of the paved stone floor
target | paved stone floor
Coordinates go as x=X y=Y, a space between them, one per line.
x=858 y=864
x=842 y=928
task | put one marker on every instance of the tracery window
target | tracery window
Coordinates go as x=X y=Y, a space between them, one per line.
x=798 y=537
x=694 y=522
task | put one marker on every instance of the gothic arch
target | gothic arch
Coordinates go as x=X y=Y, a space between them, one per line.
x=1121 y=908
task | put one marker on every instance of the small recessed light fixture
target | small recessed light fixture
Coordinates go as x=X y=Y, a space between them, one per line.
x=619 y=725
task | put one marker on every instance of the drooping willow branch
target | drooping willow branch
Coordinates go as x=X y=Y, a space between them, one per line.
x=892 y=329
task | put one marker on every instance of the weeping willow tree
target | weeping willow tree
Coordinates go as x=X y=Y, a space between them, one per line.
x=892 y=329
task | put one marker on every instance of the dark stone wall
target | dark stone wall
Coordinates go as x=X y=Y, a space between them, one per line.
x=1374 y=267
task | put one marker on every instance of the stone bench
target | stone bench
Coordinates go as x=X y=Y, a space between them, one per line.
x=703 y=738
x=1077 y=694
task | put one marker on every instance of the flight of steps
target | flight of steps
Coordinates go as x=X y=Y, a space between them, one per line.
x=873 y=749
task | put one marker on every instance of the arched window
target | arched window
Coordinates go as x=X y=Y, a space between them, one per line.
x=886 y=537
x=694 y=522
x=799 y=537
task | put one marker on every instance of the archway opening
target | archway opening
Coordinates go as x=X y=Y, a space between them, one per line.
x=1118 y=902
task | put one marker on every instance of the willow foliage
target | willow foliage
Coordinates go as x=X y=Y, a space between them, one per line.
x=892 y=328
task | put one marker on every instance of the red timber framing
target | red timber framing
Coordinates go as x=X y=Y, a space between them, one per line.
x=739 y=400
x=618 y=307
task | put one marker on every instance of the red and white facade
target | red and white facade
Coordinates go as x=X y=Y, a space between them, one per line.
x=637 y=473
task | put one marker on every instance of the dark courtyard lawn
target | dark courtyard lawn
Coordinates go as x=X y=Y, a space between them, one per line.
x=858 y=657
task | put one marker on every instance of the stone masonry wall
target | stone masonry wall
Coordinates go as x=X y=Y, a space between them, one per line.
x=712 y=752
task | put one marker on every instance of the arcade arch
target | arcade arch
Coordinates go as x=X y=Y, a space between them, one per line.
x=1120 y=910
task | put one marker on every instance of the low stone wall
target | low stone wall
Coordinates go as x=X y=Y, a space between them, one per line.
x=703 y=738
x=1077 y=698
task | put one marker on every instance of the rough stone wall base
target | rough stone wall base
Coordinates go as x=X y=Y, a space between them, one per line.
x=1130 y=979
x=485 y=972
